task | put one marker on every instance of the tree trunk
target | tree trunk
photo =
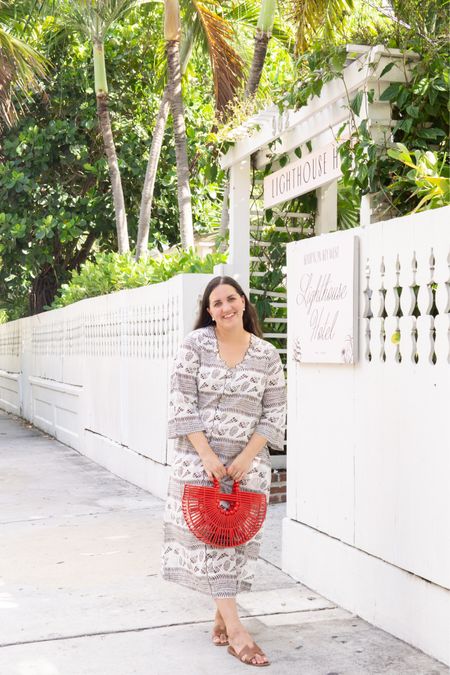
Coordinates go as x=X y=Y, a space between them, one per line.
x=114 y=173
x=176 y=104
x=150 y=176
x=81 y=255
x=43 y=289
x=47 y=283
x=155 y=152
x=261 y=41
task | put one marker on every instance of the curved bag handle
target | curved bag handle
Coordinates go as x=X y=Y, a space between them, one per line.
x=235 y=486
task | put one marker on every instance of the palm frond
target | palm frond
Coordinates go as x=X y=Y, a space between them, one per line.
x=247 y=13
x=20 y=69
x=282 y=34
x=226 y=64
x=312 y=16
x=94 y=18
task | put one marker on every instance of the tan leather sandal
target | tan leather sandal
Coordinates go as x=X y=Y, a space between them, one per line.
x=247 y=653
x=217 y=633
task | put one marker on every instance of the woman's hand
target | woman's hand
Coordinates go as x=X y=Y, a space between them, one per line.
x=240 y=466
x=213 y=466
x=211 y=463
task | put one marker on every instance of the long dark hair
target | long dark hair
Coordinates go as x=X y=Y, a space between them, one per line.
x=250 y=317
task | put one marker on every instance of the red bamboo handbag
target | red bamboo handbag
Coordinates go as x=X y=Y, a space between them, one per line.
x=218 y=525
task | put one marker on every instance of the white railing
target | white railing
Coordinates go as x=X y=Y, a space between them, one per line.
x=325 y=113
x=369 y=463
x=95 y=374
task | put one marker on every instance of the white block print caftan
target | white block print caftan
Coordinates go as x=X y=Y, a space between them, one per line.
x=228 y=405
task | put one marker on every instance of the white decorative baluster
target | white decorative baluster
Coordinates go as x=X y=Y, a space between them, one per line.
x=407 y=322
x=367 y=312
x=145 y=333
x=425 y=322
x=392 y=306
x=172 y=325
x=140 y=332
x=152 y=332
x=382 y=311
x=442 y=320
x=158 y=333
x=377 y=302
x=133 y=331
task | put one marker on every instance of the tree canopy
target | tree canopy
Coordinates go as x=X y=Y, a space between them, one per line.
x=56 y=206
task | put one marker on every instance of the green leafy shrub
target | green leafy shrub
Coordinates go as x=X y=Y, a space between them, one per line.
x=420 y=114
x=110 y=272
x=428 y=178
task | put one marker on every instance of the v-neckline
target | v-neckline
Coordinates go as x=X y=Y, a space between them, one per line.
x=222 y=360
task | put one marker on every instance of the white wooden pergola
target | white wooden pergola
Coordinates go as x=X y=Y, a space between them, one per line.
x=317 y=124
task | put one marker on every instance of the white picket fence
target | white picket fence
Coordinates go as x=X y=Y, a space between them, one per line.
x=95 y=374
x=368 y=464
x=368 y=520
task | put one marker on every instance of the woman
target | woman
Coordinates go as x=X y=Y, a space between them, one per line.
x=227 y=402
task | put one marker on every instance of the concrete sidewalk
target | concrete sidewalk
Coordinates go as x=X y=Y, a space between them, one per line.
x=80 y=592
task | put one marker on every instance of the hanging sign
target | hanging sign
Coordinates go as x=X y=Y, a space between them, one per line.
x=306 y=174
x=323 y=298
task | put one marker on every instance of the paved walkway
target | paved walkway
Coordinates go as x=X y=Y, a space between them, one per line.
x=80 y=592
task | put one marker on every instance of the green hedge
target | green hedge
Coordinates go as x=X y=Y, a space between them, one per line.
x=111 y=272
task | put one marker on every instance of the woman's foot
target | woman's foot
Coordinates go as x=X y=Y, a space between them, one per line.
x=241 y=638
x=219 y=634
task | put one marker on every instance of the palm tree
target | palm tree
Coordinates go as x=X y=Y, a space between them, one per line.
x=150 y=177
x=21 y=66
x=214 y=33
x=153 y=160
x=94 y=18
x=172 y=32
x=262 y=37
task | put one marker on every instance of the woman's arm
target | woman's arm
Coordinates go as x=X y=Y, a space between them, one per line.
x=184 y=417
x=271 y=424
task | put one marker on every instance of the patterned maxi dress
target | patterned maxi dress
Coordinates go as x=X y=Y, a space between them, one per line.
x=228 y=405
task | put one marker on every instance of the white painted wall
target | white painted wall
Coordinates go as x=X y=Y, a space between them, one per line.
x=368 y=520
x=95 y=374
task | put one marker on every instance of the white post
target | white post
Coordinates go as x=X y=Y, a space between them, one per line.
x=326 y=219
x=365 y=211
x=238 y=265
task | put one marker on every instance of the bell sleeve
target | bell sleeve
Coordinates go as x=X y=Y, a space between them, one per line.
x=273 y=417
x=184 y=416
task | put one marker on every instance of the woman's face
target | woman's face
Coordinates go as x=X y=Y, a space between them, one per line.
x=226 y=306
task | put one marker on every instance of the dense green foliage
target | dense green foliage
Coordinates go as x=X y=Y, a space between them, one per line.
x=110 y=272
x=56 y=210
x=55 y=198
x=431 y=179
x=420 y=107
